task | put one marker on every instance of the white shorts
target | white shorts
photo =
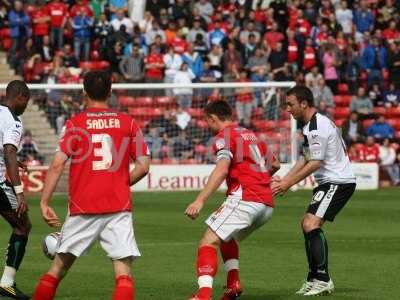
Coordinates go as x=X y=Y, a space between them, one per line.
x=237 y=219
x=114 y=231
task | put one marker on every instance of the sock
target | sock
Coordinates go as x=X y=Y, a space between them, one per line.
x=15 y=254
x=311 y=268
x=230 y=255
x=46 y=288
x=207 y=265
x=319 y=254
x=124 y=288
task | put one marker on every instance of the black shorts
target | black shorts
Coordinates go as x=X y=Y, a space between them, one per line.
x=8 y=198
x=329 y=199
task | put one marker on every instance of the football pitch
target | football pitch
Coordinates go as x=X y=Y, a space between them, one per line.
x=364 y=248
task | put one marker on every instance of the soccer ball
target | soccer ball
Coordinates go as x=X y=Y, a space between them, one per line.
x=49 y=244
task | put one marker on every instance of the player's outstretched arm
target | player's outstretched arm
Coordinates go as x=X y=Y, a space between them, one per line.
x=217 y=176
x=53 y=176
x=280 y=187
x=12 y=166
x=142 y=166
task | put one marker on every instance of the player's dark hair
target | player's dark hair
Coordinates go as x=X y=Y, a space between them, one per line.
x=302 y=93
x=17 y=88
x=97 y=85
x=219 y=108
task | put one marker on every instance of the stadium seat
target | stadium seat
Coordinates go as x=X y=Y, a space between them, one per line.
x=284 y=124
x=264 y=125
x=6 y=43
x=144 y=101
x=165 y=101
x=202 y=124
x=339 y=122
x=358 y=146
x=379 y=110
x=258 y=113
x=368 y=122
x=342 y=100
x=5 y=33
x=94 y=65
x=144 y=113
x=393 y=112
x=94 y=55
x=341 y=112
x=200 y=149
x=126 y=101
x=343 y=89
x=395 y=123
x=196 y=112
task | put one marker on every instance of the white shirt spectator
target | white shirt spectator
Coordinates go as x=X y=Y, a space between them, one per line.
x=173 y=62
x=387 y=155
x=182 y=119
x=116 y=24
x=206 y=9
x=345 y=19
x=184 y=77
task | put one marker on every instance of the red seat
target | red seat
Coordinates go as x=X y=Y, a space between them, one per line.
x=258 y=113
x=264 y=125
x=341 y=112
x=368 y=122
x=339 y=122
x=196 y=112
x=164 y=101
x=145 y=113
x=6 y=43
x=393 y=112
x=385 y=74
x=343 y=88
x=363 y=76
x=126 y=100
x=284 y=124
x=379 y=110
x=202 y=124
x=342 y=100
x=395 y=123
x=144 y=101
x=358 y=146
x=200 y=149
x=94 y=55
x=94 y=65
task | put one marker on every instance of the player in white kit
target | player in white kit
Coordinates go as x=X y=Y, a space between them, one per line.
x=324 y=155
x=13 y=207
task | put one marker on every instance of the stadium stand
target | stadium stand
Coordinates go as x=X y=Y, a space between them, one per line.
x=335 y=47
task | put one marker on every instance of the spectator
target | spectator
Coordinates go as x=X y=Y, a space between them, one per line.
x=309 y=58
x=323 y=98
x=374 y=61
x=231 y=56
x=244 y=102
x=363 y=18
x=313 y=77
x=257 y=62
x=120 y=19
x=184 y=95
x=118 y=5
x=81 y=7
x=375 y=94
x=98 y=7
x=217 y=35
x=215 y=58
x=154 y=142
x=179 y=42
x=40 y=20
x=394 y=64
x=155 y=31
x=272 y=37
x=102 y=32
x=387 y=158
x=183 y=146
x=19 y=27
x=115 y=55
x=370 y=151
x=46 y=51
x=381 y=130
x=353 y=130
x=58 y=19
x=172 y=62
x=391 y=97
x=207 y=75
x=195 y=31
x=278 y=59
x=154 y=69
x=244 y=35
x=132 y=67
x=182 y=118
x=29 y=148
x=23 y=56
x=180 y=10
x=82 y=24
x=69 y=59
x=293 y=50
x=344 y=16
x=330 y=62
x=205 y=9
x=362 y=104
x=193 y=60
x=352 y=68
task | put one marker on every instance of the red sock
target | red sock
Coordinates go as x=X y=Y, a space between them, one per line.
x=207 y=266
x=230 y=255
x=46 y=288
x=124 y=288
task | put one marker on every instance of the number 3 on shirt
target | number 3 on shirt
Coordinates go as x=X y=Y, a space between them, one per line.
x=102 y=151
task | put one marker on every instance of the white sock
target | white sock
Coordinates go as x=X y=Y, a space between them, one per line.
x=8 y=277
x=231 y=264
x=205 y=281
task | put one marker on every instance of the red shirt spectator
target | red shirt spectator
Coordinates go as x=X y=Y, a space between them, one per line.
x=260 y=16
x=81 y=6
x=304 y=27
x=154 y=65
x=274 y=36
x=370 y=151
x=244 y=95
x=310 y=59
x=391 y=34
x=180 y=45
x=293 y=49
x=58 y=13
x=41 y=18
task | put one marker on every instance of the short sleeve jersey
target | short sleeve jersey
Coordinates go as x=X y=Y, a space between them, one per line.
x=248 y=176
x=100 y=144
x=11 y=131
x=323 y=141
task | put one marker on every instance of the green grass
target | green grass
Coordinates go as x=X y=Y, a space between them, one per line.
x=364 y=247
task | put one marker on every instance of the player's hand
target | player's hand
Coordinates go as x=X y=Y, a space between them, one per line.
x=280 y=187
x=22 y=207
x=276 y=179
x=193 y=210
x=50 y=216
x=23 y=166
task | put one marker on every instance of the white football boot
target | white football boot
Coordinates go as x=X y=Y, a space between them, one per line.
x=307 y=285
x=320 y=288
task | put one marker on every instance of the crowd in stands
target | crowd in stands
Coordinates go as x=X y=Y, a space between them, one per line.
x=347 y=52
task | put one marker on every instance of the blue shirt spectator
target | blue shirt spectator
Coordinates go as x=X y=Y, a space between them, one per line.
x=217 y=35
x=364 y=20
x=381 y=129
x=82 y=26
x=19 y=22
x=391 y=97
x=194 y=61
x=374 y=56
